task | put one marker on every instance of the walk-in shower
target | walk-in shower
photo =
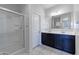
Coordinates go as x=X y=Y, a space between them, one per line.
x=11 y=31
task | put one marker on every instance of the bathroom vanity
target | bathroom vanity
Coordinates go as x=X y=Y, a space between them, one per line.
x=61 y=41
x=60 y=34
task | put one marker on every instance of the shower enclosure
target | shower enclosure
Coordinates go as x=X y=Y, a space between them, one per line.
x=11 y=31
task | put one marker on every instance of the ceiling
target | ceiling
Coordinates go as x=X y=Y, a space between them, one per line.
x=46 y=6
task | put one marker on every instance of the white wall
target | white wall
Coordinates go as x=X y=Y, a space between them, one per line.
x=76 y=23
x=26 y=26
x=37 y=8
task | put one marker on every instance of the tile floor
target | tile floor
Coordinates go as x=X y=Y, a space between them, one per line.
x=45 y=50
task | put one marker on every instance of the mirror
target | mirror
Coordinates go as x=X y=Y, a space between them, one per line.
x=61 y=21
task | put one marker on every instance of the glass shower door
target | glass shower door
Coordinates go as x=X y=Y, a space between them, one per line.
x=11 y=32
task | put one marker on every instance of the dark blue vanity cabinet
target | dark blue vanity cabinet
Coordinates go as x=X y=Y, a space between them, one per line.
x=59 y=41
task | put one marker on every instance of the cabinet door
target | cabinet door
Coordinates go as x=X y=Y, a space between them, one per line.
x=69 y=44
x=58 y=41
x=44 y=38
x=48 y=39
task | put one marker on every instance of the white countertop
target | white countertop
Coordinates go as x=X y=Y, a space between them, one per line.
x=61 y=32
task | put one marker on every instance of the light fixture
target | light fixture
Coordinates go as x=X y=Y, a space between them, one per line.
x=57 y=13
